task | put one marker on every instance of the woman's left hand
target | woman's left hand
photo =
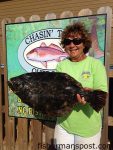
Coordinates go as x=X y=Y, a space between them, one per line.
x=81 y=99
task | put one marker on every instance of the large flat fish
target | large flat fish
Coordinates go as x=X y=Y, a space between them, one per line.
x=53 y=93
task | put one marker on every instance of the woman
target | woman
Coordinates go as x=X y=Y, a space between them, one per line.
x=82 y=128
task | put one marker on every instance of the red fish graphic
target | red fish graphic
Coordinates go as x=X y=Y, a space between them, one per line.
x=45 y=53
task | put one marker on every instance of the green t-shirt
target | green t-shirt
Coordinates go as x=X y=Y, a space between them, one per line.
x=90 y=72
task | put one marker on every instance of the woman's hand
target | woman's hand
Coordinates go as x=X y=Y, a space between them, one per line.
x=82 y=99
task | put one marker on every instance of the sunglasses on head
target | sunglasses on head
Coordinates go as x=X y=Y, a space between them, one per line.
x=75 y=41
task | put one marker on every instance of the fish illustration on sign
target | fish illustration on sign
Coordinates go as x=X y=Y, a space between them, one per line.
x=45 y=53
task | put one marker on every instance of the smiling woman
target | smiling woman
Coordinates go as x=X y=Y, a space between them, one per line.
x=83 y=125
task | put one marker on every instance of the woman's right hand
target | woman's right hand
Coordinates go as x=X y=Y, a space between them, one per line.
x=81 y=99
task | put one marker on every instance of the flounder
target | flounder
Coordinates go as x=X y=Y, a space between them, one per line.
x=53 y=93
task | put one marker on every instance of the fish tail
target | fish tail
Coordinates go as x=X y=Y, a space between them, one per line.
x=10 y=85
x=97 y=99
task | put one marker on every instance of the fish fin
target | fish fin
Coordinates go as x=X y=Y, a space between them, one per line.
x=58 y=60
x=97 y=99
x=99 y=54
x=43 y=44
x=55 y=46
x=63 y=57
x=44 y=63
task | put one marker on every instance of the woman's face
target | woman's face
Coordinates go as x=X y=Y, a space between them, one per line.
x=74 y=48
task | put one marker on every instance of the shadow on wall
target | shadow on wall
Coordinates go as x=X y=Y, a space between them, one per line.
x=110 y=128
x=111 y=97
x=110 y=137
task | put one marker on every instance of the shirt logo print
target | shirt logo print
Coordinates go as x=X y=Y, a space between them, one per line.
x=86 y=74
